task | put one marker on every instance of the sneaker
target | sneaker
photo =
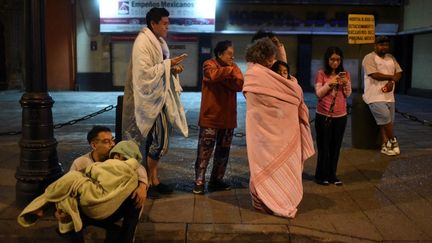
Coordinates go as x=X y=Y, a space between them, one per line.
x=322 y=182
x=395 y=145
x=218 y=186
x=163 y=188
x=337 y=182
x=386 y=149
x=198 y=189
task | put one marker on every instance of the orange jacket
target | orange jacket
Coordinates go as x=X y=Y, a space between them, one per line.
x=219 y=95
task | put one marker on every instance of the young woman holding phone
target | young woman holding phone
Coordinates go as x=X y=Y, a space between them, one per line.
x=332 y=87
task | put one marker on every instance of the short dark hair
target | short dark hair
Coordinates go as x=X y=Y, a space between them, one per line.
x=155 y=14
x=275 y=66
x=94 y=132
x=260 y=51
x=382 y=39
x=221 y=46
x=329 y=52
x=262 y=34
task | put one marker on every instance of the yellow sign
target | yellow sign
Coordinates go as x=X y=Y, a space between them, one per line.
x=361 y=29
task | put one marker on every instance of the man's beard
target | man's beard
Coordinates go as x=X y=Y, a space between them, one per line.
x=381 y=53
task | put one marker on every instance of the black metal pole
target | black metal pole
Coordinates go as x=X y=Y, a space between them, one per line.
x=39 y=164
x=3 y=76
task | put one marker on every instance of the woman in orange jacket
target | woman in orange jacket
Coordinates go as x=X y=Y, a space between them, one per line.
x=218 y=116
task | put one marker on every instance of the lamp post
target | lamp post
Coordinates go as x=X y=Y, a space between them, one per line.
x=39 y=164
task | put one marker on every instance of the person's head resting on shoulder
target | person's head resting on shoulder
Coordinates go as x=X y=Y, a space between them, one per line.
x=262 y=51
x=101 y=141
x=281 y=68
x=158 y=22
x=125 y=150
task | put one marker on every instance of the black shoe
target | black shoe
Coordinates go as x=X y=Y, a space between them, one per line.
x=198 y=189
x=322 y=182
x=337 y=182
x=218 y=186
x=152 y=193
x=163 y=188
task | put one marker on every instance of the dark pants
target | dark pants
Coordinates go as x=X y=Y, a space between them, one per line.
x=114 y=233
x=206 y=143
x=157 y=140
x=329 y=136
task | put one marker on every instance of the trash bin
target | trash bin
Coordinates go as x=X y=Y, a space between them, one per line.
x=365 y=131
x=118 y=124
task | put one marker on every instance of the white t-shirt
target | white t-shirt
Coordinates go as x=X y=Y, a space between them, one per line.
x=372 y=63
x=80 y=163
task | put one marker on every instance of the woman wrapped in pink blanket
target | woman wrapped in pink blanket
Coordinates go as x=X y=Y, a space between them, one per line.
x=278 y=134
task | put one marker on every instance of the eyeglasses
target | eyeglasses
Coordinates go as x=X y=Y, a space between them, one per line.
x=106 y=141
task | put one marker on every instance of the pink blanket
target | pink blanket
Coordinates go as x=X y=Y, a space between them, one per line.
x=278 y=140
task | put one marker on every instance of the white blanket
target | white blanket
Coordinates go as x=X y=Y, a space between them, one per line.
x=150 y=88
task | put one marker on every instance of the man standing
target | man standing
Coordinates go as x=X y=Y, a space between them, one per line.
x=151 y=103
x=381 y=71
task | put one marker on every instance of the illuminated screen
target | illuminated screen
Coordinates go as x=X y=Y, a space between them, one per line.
x=191 y=16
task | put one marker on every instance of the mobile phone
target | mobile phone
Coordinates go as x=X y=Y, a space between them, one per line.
x=342 y=74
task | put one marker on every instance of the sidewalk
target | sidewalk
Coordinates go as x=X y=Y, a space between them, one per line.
x=383 y=198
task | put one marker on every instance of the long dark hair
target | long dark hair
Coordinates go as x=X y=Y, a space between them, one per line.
x=329 y=52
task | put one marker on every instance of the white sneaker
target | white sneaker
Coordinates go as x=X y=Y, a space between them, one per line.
x=395 y=145
x=386 y=149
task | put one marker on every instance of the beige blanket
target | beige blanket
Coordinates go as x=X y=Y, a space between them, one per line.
x=99 y=191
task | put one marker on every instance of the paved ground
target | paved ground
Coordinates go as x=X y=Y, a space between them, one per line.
x=383 y=198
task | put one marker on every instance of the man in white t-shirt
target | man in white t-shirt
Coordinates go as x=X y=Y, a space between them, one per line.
x=381 y=71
